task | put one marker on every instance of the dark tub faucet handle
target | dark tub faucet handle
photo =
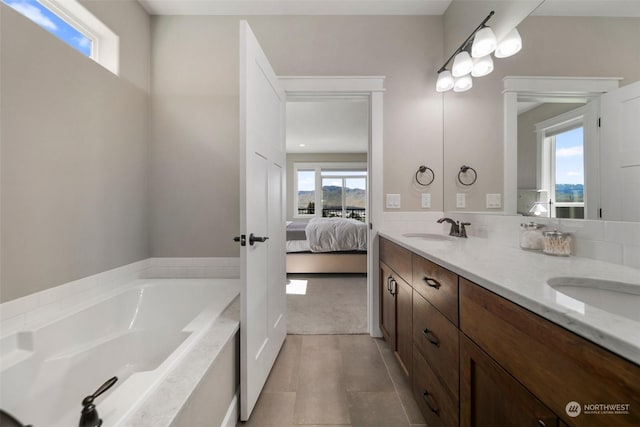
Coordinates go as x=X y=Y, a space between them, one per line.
x=89 y=415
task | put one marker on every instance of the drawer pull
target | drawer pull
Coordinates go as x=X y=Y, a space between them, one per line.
x=431 y=337
x=433 y=283
x=541 y=424
x=430 y=401
x=389 y=284
x=394 y=287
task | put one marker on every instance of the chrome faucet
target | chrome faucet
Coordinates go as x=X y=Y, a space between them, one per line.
x=457 y=229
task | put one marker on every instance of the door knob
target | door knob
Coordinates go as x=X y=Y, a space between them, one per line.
x=253 y=239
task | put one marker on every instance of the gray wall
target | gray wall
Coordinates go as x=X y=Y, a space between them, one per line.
x=552 y=46
x=74 y=153
x=314 y=158
x=195 y=150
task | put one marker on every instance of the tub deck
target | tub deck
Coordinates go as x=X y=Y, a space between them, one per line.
x=140 y=334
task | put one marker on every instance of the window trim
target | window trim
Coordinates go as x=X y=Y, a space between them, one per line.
x=318 y=167
x=105 y=44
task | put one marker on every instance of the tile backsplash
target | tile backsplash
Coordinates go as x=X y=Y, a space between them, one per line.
x=610 y=241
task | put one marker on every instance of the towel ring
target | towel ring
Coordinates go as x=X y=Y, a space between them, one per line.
x=463 y=171
x=421 y=170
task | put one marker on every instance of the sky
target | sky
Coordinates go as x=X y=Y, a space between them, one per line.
x=570 y=157
x=50 y=22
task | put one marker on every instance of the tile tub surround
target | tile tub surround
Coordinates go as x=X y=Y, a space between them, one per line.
x=610 y=241
x=521 y=276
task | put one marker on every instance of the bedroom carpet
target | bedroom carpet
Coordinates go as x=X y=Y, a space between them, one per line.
x=319 y=304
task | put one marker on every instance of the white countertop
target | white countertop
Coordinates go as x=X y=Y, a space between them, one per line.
x=521 y=277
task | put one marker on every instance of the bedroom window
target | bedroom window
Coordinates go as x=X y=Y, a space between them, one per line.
x=72 y=23
x=330 y=190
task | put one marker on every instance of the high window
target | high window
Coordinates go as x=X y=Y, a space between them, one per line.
x=75 y=25
x=330 y=190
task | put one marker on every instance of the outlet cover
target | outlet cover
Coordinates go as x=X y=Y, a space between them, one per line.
x=494 y=201
x=461 y=200
x=426 y=200
x=393 y=201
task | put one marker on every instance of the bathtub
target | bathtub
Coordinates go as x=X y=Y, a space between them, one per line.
x=137 y=334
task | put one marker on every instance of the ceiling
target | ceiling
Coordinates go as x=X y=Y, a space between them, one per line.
x=335 y=125
x=620 y=8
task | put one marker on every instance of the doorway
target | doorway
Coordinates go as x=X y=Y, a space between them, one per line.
x=327 y=143
x=368 y=92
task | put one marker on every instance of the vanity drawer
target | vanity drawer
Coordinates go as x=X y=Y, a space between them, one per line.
x=437 y=285
x=437 y=340
x=435 y=402
x=554 y=364
x=396 y=257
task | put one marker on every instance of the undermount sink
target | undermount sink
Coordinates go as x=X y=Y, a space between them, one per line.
x=622 y=299
x=430 y=236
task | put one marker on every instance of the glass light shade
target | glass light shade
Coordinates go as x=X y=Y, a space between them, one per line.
x=484 y=42
x=445 y=81
x=462 y=64
x=462 y=84
x=482 y=66
x=510 y=45
x=538 y=208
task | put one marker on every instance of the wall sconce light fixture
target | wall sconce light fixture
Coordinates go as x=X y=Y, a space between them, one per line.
x=473 y=57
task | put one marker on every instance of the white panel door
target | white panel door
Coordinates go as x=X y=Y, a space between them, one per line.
x=262 y=190
x=620 y=153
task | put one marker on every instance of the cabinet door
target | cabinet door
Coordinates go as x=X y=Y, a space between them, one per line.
x=404 y=322
x=387 y=306
x=489 y=396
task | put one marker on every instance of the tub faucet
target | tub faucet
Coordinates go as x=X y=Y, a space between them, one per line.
x=455 y=226
x=89 y=416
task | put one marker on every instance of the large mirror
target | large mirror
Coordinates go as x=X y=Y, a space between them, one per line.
x=558 y=163
x=475 y=122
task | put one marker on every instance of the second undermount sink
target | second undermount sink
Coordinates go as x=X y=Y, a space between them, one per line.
x=430 y=236
x=622 y=299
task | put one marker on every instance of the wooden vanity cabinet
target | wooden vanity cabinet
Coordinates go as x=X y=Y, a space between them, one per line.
x=387 y=306
x=553 y=364
x=475 y=358
x=491 y=397
x=395 y=301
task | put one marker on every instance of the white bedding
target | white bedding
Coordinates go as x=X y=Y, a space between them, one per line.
x=336 y=234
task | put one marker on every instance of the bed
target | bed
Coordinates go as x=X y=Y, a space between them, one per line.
x=327 y=245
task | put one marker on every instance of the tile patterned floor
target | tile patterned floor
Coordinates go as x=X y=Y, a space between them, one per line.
x=336 y=380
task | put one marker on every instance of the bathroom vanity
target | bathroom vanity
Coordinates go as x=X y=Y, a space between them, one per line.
x=484 y=341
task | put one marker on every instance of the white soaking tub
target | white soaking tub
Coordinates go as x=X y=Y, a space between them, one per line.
x=137 y=334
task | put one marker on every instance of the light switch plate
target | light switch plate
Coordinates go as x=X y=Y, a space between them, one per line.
x=461 y=200
x=393 y=201
x=494 y=201
x=426 y=200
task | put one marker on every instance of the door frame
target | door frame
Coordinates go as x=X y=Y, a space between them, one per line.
x=373 y=88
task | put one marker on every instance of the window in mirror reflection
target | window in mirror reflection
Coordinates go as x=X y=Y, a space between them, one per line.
x=561 y=172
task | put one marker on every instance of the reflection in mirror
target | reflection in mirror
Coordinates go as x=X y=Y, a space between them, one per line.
x=552 y=152
x=551 y=158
